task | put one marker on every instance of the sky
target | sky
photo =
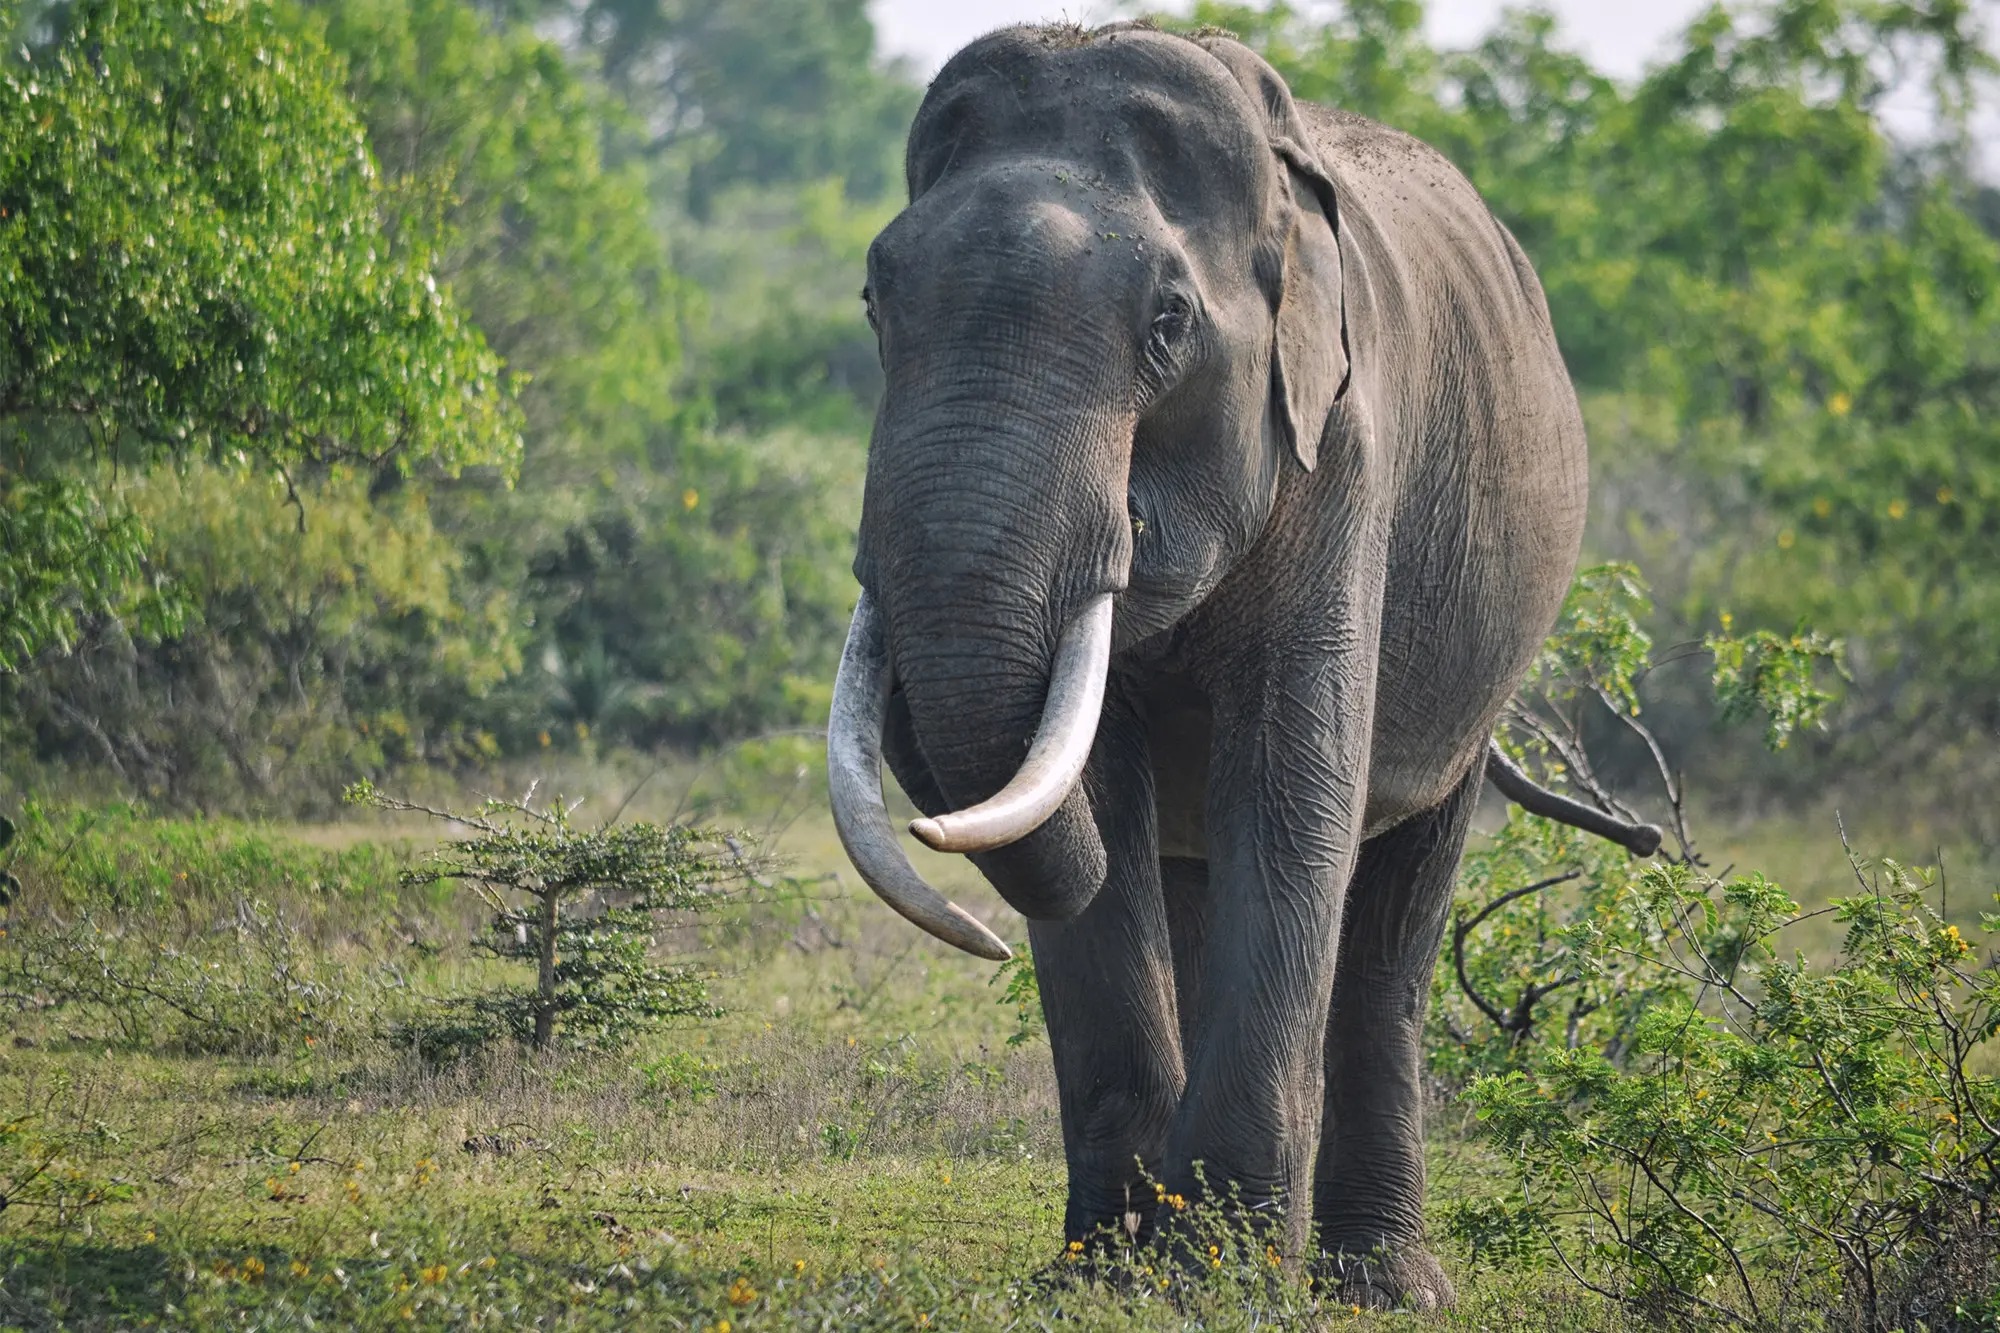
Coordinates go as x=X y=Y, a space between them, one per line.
x=1619 y=36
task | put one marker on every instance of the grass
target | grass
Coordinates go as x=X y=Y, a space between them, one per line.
x=855 y=1145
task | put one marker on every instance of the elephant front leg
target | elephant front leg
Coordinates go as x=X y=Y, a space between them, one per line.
x=1108 y=996
x=1286 y=794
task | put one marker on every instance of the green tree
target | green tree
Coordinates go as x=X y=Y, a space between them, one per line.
x=360 y=641
x=679 y=540
x=760 y=91
x=193 y=263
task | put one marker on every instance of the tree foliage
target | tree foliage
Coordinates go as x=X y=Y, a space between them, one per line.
x=193 y=263
x=192 y=258
x=770 y=90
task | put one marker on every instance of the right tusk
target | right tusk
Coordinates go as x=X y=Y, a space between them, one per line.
x=1060 y=750
x=854 y=779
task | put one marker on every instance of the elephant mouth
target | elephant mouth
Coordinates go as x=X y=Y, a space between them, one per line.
x=1048 y=775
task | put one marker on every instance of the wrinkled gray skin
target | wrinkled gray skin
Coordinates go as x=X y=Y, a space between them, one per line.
x=1274 y=375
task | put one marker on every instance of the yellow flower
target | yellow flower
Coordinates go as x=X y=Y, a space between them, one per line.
x=722 y=1326
x=798 y=1266
x=1272 y=1257
x=434 y=1274
x=690 y=498
x=1840 y=404
x=251 y=1269
x=1822 y=506
x=295 y=1168
x=741 y=1292
x=1179 y=1202
x=1898 y=508
x=300 y=1268
x=1786 y=540
x=1945 y=495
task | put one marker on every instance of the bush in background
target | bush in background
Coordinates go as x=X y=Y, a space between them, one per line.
x=196 y=936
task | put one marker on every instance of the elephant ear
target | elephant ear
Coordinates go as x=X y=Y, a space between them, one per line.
x=1299 y=265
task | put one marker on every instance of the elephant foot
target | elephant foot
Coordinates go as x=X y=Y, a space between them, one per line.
x=1403 y=1277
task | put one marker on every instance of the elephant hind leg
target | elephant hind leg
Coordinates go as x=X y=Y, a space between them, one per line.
x=1368 y=1183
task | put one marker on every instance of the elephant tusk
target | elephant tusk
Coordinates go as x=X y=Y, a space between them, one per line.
x=854 y=779
x=1061 y=747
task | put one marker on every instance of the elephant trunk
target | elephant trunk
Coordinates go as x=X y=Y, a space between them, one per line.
x=992 y=557
x=1055 y=761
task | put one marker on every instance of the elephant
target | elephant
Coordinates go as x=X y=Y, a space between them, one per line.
x=1225 y=482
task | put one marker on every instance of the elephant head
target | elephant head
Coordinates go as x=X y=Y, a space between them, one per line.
x=1109 y=320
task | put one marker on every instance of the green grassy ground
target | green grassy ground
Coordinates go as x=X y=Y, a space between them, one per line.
x=854 y=1145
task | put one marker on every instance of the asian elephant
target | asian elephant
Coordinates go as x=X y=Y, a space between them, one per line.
x=1226 y=481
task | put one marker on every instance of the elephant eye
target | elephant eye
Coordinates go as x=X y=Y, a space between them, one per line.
x=1173 y=321
x=868 y=307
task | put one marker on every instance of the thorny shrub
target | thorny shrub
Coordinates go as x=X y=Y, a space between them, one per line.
x=1531 y=893
x=1705 y=1127
x=1768 y=1138
x=187 y=935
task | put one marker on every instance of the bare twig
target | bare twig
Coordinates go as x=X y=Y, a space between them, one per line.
x=1520 y=1019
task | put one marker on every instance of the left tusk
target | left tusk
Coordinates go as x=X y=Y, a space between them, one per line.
x=1060 y=750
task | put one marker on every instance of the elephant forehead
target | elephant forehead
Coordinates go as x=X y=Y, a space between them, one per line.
x=1140 y=109
x=1019 y=223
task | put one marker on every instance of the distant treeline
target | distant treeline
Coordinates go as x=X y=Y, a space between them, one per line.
x=393 y=382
